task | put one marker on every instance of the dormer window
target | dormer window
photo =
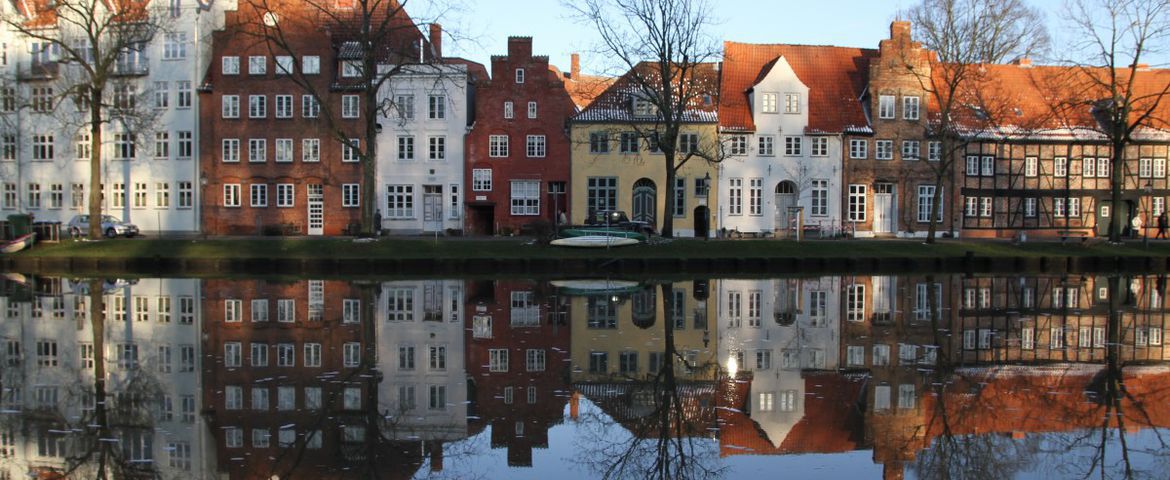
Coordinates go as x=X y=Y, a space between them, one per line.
x=643 y=108
x=519 y=75
x=351 y=69
x=791 y=103
x=768 y=103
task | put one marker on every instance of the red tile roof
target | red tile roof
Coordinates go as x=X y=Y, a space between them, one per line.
x=832 y=422
x=836 y=77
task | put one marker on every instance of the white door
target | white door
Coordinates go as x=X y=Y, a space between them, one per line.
x=432 y=208
x=316 y=203
x=785 y=199
x=883 y=208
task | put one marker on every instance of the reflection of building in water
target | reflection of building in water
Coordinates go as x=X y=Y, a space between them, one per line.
x=288 y=379
x=151 y=356
x=777 y=330
x=517 y=355
x=420 y=355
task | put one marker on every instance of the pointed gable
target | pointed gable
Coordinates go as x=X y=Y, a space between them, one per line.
x=836 y=77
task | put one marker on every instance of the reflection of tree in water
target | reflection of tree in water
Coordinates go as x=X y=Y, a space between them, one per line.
x=670 y=421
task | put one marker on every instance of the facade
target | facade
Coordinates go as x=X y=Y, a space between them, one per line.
x=518 y=150
x=150 y=167
x=420 y=169
x=783 y=113
x=146 y=344
x=616 y=166
x=888 y=177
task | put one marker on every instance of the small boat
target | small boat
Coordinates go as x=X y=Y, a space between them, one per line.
x=594 y=241
x=19 y=243
x=602 y=232
x=596 y=287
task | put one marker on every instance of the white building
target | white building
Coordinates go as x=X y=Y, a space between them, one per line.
x=421 y=356
x=150 y=170
x=152 y=359
x=421 y=158
x=777 y=329
x=783 y=112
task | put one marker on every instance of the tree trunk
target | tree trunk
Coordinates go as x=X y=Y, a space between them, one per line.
x=369 y=166
x=1116 y=181
x=95 y=162
x=97 y=324
x=935 y=208
x=668 y=197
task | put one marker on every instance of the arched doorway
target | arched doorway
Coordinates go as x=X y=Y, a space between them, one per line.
x=702 y=221
x=785 y=199
x=645 y=201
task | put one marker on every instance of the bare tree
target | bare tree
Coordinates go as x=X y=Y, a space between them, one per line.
x=665 y=50
x=92 y=49
x=962 y=36
x=377 y=43
x=1125 y=99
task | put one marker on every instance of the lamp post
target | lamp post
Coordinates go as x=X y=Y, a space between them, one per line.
x=1149 y=188
x=707 y=195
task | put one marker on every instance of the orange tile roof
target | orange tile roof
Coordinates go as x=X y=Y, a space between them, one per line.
x=836 y=77
x=832 y=422
x=587 y=88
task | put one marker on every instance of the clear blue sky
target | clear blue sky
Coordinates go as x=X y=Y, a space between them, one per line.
x=853 y=23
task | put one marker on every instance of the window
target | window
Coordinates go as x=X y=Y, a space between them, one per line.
x=855 y=305
x=230 y=105
x=257 y=65
x=1159 y=168
x=910 y=108
x=768 y=103
x=792 y=145
x=820 y=146
x=481 y=180
x=885 y=149
x=284 y=106
x=42 y=147
x=437 y=148
x=531 y=109
x=985 y=207
x=858 y=148
x=508 y=110
x=820 y=198
x=286 y=355
x=987 y=166
x=231 y=195
x=601 y=194
x=186 y=144
x=124 y=146
x=259 y=195
x=911 y=149
x=42 y=99
x=284 y=150
x=350 y=195
x=284 y=195
x=311 y=150
x=886 y=106
x=519 y=75
x=525 y=197
x=7 y=99
x=232 y=356
x=1060 y=167
x=400 y=201
x=679 y=203
x=536 y=146
x=598 y=142
x=735 y=196
x=934 y=151
x=230 y=65
x=313 y=355
x=857 y=198
x=257 y=150
x=259 y=354
x=628 y=143
x=183 y=94
x=8 y=148
x=119 y=195
x=1030 y=207
x=57 y=196
x=351 y=354
x=257 y=106
x=1103 y=167
x=351 y=151
x=926 y=204
x=140 y=194
x=310 y=107
x=310 y=64
x=162 y=145
x=284 y=65
x=498 y=146
x=791 y=103
x=175 y=46
x=689 y=143
x=766 y=144
x=1030 y=166
x=755 y=196
x=349 y=106
x=351 y=69
x=162 y=95
x=498 y=360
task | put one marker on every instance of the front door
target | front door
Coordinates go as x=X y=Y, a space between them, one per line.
x=785 y=200
x=702 y=222
x=645 y=201
x=316 y=196
x=432 y=208
x=1104 y=211
x=884 y=213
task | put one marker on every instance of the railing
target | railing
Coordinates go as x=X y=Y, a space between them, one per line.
x=29 y=71
x=137 y=69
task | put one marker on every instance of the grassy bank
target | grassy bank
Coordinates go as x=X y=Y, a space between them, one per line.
x=462 y=248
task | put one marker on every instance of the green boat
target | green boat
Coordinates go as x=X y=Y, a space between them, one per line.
x=602 y=232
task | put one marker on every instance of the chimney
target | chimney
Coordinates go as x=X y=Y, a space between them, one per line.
x=437 y=39
x=519 y=47
x=575 y=68
x=900 y=29
x=575 y=405
x=436 y=454
x=1141 y=66
x=1023 y=62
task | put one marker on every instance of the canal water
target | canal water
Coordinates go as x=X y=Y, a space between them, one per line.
x=912 y=376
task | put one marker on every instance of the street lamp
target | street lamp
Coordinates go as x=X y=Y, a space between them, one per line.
x=1150 y=196
x=707 y=195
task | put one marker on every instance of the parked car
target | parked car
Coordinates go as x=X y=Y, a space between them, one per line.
x=111 y=227
x=619 y=219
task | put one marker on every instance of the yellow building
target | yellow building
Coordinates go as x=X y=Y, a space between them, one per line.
x=617 y=165
x=623 y=337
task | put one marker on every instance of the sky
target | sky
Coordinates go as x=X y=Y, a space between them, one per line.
x=480 y=28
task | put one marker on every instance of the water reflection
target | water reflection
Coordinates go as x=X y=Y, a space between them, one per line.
x=937 y=376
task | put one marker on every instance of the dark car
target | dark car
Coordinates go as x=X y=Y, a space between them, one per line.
x=618 y=218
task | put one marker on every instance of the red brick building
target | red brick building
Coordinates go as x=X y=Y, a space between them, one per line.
x=518 y=152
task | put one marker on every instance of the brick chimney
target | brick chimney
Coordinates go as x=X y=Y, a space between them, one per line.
x=520 y=47
x=575 y=68
x=575 y=405
x=900 y=29
x=1023 y=62
x=435 y=451
x=437 y=39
